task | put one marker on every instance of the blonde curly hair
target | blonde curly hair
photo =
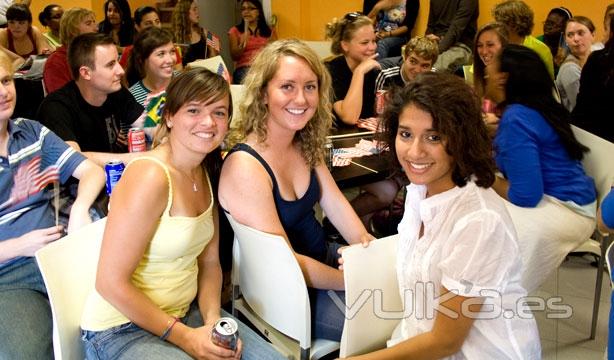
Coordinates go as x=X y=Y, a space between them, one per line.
x=254 y=113
x=343 y=29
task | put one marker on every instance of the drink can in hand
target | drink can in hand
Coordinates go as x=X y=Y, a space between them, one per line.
x=328 y=153
x=136 y=140
x=380 y=102
x=225 y=333
x=113 y=171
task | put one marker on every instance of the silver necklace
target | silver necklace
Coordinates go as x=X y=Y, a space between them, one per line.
x=194 y=188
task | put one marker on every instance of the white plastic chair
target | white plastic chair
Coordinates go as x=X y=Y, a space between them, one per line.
x=273 y=294
x=370 y=274
x=68 y=267
x=599 y=165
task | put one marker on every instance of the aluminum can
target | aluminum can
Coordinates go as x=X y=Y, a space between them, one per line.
x=225 y=333
x=328 y=153
x=380 y=101
x=136 y=140
x=113 y=170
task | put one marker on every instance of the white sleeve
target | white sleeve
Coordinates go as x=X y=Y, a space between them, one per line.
x=478 y=254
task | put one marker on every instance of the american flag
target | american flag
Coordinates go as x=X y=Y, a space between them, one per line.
x=29 y=180
x=213 y=41
x=221 y=71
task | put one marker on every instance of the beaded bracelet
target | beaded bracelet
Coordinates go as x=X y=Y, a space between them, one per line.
x=169 y=327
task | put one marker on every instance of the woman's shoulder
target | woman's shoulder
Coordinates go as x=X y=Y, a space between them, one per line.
x=234 y=31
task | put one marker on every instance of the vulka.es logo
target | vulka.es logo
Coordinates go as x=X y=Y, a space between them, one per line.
x=492 y=304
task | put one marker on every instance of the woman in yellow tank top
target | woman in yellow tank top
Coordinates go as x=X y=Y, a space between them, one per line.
x=159 y=278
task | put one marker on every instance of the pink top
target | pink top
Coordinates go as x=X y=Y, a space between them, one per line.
x=254 y=44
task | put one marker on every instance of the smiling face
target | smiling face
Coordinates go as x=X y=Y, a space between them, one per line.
x=200 y=127
x=7 y=93
x=488 y=45
x=421 y=151
x=113 y=14
x=149 y=20
x=579 y=38
x=361 y=46
x=159 y=64
x=291 y=95
x=414 y=65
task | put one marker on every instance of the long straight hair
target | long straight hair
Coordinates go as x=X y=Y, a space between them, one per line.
x=529 y=84
x=262 y=28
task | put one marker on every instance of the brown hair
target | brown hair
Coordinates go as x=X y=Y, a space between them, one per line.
x=479 y=82
x=456 y=114
x=254 y=112
x=423 y=47
x=516 y=15
x=344 y=29
x=82 y=50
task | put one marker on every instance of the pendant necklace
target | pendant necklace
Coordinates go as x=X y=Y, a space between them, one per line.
x=194 y=188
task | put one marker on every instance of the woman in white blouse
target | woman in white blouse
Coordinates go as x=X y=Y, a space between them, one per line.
x=458 y=255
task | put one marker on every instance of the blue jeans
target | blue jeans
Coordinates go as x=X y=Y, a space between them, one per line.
x=390 y=46
x=25 y=314
x=128 y=341
x=327 y=318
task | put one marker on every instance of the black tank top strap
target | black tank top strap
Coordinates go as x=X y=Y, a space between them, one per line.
x=248 y=149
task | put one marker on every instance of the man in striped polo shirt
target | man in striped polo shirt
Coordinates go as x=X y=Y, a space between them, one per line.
x=32 y=157
x=420 y=54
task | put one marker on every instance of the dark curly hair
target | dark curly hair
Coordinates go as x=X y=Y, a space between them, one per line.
x=457 y=117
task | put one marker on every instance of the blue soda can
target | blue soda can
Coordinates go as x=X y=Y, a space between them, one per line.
x=113 y=169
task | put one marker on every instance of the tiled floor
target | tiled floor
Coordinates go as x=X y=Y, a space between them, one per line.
x=564 y=339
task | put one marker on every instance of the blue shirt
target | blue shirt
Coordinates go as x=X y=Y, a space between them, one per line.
x=27 y=140
x=531 y=156
x=607 y=211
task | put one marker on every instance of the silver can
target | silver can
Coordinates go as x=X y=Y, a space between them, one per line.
x=328 y=153
x=225 y=333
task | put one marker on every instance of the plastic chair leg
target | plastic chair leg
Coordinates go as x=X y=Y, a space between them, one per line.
x=600 y=268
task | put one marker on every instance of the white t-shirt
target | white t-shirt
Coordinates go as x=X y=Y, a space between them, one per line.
x=469 y=247
x=4 y=5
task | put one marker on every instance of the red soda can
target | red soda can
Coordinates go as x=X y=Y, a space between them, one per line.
x=380 y=101
x=225 y=333
x=136 y=140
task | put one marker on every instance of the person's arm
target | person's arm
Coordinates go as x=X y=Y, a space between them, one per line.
x=349 y=108
x=605 y=214
x=338 y=209
x=246 y=192
x=237 y=42
x=382 y=5
x=28 y=243
x=42 y=45
x=568 y=82
x=91 y=181
x=464 y=14
x=15 y=59
x=445 y=338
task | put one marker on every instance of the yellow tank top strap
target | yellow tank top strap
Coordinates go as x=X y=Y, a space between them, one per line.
x=168 y=177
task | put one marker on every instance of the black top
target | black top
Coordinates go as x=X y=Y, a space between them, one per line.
x=297 y=217
x=453 y=21
x=94 y=128
x=593 y=111
x=342 y=78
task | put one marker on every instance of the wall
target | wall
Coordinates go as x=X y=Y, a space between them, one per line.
x=306 y=18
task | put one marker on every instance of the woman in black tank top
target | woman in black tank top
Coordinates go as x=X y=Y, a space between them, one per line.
x=275 y=174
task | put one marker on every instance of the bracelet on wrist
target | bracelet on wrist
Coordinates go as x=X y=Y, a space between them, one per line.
x=169 y=326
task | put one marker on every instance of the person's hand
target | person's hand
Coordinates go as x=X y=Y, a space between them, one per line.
x=200 y=345
x=79 y=217
x=340 y=259
x=36 y=239
x=368 y=64
x=380 y=35
x=365 y=239
x=46 y=51
x=433 y=37
x=490 y=119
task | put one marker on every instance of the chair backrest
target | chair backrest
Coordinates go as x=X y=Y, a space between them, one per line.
x=598 y=162
x=371 y=295
x=68 y=267
x=272 y=282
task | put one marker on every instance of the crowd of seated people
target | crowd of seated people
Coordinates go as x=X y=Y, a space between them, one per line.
x=447 y=139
